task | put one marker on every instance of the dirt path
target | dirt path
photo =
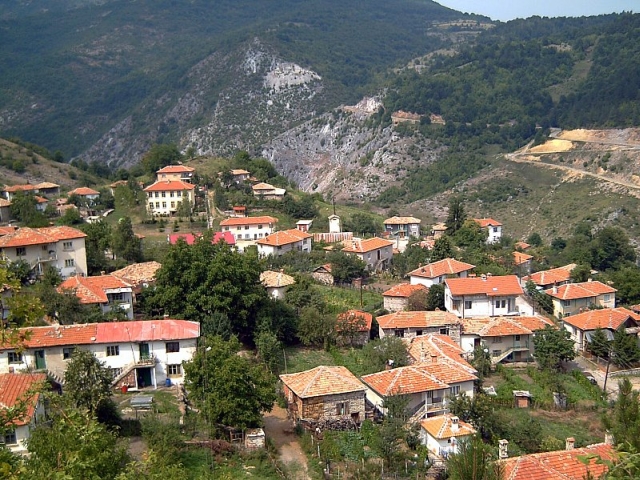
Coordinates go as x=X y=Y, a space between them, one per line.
x=278 y=429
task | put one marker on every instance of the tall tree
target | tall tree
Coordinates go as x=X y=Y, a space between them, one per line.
x=99 y=239
x=442 y=248
x=599 y=344
x=435 y=297
x=624 y=422
x=624 y=349
x=552 y=347
x=378 y=353
x=346 y=268
x=160 y=155
x=456 y=216
x=23 y=208
x=87 y=382
x=474 y=461
x=125 y=244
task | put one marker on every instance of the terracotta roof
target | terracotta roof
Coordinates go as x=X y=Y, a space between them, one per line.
x=284 y=237
x=7 y=230
x=190 y=238
x=417 y=319
x=83 y=191
x=447 y=371
x=40 y=199
x=326 y=267
x=519 y=258
x=26 y=236
x=146 y=331
x=239 y=171
x=401 y=220
x=353 y=316
x=19 y=188
x=610 y=318
x=554 y=275
x=559 y=464
x=448 y=266
x=233 y=222
x=176 y=169
x=57 y=335
x=534 y=323
x=405 y=290
x=487 y=222
x=424 y=347
x=138 y=273
x=276 y=279
x=441 y=427
x=321 y=381
x=4 y=202
x=403 y=380
x=169 y=185
x=263 y=186
x=494 y=326
x=439 y=227
x=573 y=291
x=367 y=245
x=93 y=289
x=45 y=185
x=492 y=286
x=20 y=387
x=522 y=245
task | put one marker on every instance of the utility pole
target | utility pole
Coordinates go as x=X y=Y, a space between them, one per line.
x=606 y=375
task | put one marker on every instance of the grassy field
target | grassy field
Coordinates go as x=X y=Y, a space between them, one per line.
x=342 y=299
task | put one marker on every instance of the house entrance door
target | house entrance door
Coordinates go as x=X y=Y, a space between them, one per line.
x=40 y=363
x=144 y=377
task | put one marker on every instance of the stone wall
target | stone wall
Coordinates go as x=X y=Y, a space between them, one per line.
x=396 y=304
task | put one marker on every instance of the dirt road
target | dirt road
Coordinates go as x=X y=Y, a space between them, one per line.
x=278 y=429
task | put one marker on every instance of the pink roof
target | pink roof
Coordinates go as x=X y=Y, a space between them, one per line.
x=190 y=238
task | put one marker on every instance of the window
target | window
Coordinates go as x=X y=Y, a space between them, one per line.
x=69 y=262
x=468 y=304
x=116 y=297
x=67 y=352
x=10 y=438
x=150 y=204
x=399 y=332
x=164 y=194
x=157 y=204
x=67 y=245
x=113 y=350
x=501 y=303
x=517 y=338
x=173 y=204
x=238 y=227
x=178 y=194
x=45 y=248
x=226 y=229
x=164 y=204
x=21 y=251
x=444 y=331
x=172 y=347
x=342 y=408
x=172 y=194
x=607 y=298
x=259 y=227
x=418 y=333
x=496 y=353
x=496 y=340
x=455 y=390
x=15 y=357
x=566 y=303
x=115 y=372
x=495 y=229
x=157 y=194
x=174 y=369
x=246 y=227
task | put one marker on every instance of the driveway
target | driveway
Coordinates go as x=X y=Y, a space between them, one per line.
x=279 y=429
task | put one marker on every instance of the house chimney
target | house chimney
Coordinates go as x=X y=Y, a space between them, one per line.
x=489 y=275
x=503 y=449
x=389 y=365
x=483 y=276
x=434 y=358
x=555 y=289
x=590 y=279
x=12 y=370
x=570 y=443
x=608 y=438
x=454 y=424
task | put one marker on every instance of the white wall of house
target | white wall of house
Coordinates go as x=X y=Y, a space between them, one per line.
x=437 y=446
x=494 y=234
x=373 y=259
x=427 y=282
x=571 y=307
x=479 y=305
x=119 y=298
x=249 y=231
x=576 y=334
x=277 y=292
x=166 y=203
x=68 y=256
x=23 y=432
x=303 y=245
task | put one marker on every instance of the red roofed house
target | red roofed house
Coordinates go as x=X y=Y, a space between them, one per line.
x=523 y=262
x=180 y=173
x=21 y=390
x=279 y=243
x=549 y=278
x=106 y=291
x=415 y=324
x=493 y=228
x=249 y=228
x=436 y=272
x=89 y=194
x=10 y=191
x=582 y=325
x=403 y=227
x=485 y=296
x=442 y=434
x=266 y=191
x=396 y=299
x=375 y=252
x=354 y=327
x=164 y=196
x=139 y=353
x=139 y=275
x=574 y=298
x=60 y=247
x=323 y=274
x=324 y=393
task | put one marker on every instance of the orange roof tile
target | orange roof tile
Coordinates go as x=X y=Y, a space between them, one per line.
x=4 y=202
x=19 y=188
x=367 y=245
x=424 y=347
x=610 y=318
x=573 y=291
x=405 y=290
x=7 y=230
x=401 y=220
x=271 y=279
x=169 y=185
x=321 y=381
x=84 y=191
x=26 y=236
x=522 y=245
x=494 y=326
x=447 y=371
x=232 y=222
x=21 y=387
x=519 y=258
x=551 y=276
x=534 y=323
x=417 y=319
x=93 y=289
x=403 y=380
x=57 y=335
x=559 y=464
x=448 y=266
x=442 y=427
x=492 y=286
x=176 y=169
x=239 y=171
x=46 y=185
x=487 y=222
x=353 y=316
x=284 y=237
x=263 y=186
x=138 y=273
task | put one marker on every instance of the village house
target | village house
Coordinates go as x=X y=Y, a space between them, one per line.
x=60 y=247
x=438 y=230
x=322 y=274
x=239 y=175
x=5 y=210
x=375 y=252
x=139 y=353
x=548 y=278
x=405 y=117
x=21 y=389
x=276 y=283
x=436 y=272
x=522 y=262
x=279 y=243
x=581 y=326
x=396 y=299
x=442 y=434
x=47 y=188
x=41 y=203
x=249 y=228
x=414 y=324
x=165 y=196
x=178 y=173
x=138 y=275
x=403 y=227
x=9 y=192
x=521 y=246
x=353 y=327
x=89 y=195
x=116 y=184
x=485 y=296
x=492 y=227
x=573 y=298
x=304 y=225
x=108 y=292
x=324 y=393
x=266 y=191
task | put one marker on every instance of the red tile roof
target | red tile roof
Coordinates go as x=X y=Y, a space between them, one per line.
x=241 y=221
x=448 y=266
x=7 y=230
x=522 y=245
x=492 y=286
x=551 y=276
x=442 y=427
x=322 y=381
x=401 y=220
x=367 y=245
x=520 y=258
x=138 y=273
x=263 y=186
x=403 y=380
x=610 y=318
x=417 y=319
x=354 y=316
x=93 y=289
x=26 y=236
x=19 y=188
x=168 y=186
x=487 y=222
x=573 y=291
x=496 y=326
x=176 y=169
x=84 y=191
x=405 y=290
x=21 y=387
x=284 y=237
x=423 y=348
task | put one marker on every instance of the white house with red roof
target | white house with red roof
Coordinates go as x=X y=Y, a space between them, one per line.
x=492 y=227
x=396 y=299
x=573 y=298
x=375 y=252
x=436 y=272
x=442 y=434
x=89 y=194
x=554 y=276
x=415 y=324
x=108 y=292
x=249 y=228
x=21 y=390
x=582 y=325
x=180 y=173
x=10 y=191
x=140 y=353
x=403 y=227
x=279 y=243
x=61 y=247
x=165 y=196
x=484 y=296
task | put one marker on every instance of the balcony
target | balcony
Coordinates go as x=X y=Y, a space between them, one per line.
x=146 y=360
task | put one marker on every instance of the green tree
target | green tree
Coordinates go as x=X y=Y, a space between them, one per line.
x=627 y=282
x=442 y=248
x=124 y=242
x=98 y=240
x=363 y=224
x=611 y=248
x=624 y=422
x=23 y=208
x=346 y=268
x=456 y=215
x=482 y=361
x=599 y=343
x=435 y=297
x=378 y=353
x=470 y=236
x=87 y=382
x=160 y=155
x=581 y=273
x=624 y=349
x=418 y=301
x=474 y=461
x=229 y=389
x=535 y=240
x=71 y=217
x=552 y=347
x=270 y=351
x=316 y=328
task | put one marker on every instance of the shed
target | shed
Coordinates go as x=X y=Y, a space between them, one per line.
x=254 y=438
x=521 y=399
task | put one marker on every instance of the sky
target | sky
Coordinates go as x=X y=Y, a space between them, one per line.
x=505 y=10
